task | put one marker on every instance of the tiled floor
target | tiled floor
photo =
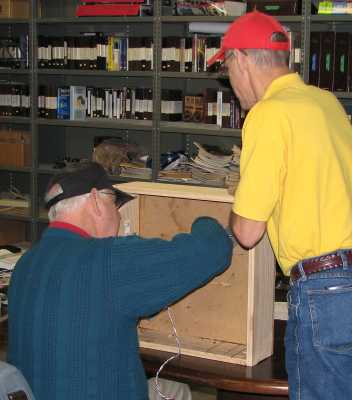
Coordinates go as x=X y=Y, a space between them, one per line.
x=180 y=390
x=203 y=393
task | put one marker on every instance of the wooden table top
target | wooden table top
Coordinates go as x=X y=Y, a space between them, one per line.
x=268 y=377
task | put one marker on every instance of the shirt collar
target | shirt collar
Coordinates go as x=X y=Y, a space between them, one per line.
x=69 y=227
x=284 y=81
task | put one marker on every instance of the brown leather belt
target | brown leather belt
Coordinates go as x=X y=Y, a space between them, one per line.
x=321 y=263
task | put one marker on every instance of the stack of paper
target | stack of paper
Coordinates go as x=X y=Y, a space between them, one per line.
x=8 y=261
x=135 y=170
x=211 y=165
x=233 y=176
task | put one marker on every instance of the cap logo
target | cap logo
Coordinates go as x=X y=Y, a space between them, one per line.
x=278 y=37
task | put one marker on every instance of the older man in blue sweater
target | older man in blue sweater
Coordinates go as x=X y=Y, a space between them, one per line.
x=76 y=297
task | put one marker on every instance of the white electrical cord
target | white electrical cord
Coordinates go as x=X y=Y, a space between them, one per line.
x=174 y=357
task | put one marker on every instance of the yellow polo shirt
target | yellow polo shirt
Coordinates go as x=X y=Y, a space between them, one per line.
x=296 y=170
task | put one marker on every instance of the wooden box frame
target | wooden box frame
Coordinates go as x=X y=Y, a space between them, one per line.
x=231 y=318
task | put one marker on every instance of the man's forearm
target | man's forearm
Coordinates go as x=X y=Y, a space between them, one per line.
x=248 y=232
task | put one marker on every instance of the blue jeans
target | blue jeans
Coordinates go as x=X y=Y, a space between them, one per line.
x=318 y=338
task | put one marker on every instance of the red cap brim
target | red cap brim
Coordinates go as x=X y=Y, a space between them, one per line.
x=219 y=56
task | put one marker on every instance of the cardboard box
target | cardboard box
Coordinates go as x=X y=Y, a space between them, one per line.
x=12 y=232
x=14 y=8
x=231 y=318
x=15 y=148
x=193 y=109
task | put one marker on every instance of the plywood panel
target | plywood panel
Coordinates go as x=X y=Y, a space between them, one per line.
x=217 y=310
x=204 y=348
x=261 y=302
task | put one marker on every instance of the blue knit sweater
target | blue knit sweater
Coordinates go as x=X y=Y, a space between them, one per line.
x=74 y=305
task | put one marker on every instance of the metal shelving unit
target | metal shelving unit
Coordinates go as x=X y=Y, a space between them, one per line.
x=59 y=16
x=11 y=27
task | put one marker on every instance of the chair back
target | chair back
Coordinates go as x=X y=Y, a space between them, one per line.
x=13 y=385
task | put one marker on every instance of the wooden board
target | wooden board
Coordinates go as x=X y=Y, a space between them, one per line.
x=129 y=218
x=198 y=347
x=209 y=310
x=261 y=282
x=179 y=191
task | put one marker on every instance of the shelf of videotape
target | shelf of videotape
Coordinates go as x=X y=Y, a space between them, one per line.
x=329 y=61
x=114 y=53
x=219 y=107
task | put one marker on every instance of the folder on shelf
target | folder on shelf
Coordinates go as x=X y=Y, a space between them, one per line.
x=327 y=60
x=17 y=203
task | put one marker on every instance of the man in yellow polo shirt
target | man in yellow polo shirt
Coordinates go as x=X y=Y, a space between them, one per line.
x=296 y=183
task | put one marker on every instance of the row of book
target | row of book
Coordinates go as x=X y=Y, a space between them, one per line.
x=330 y=63
x=81 y=102
x=96 y=51
x=191 y=54
x=14 y=52
x=213 y=106
x=14 y=99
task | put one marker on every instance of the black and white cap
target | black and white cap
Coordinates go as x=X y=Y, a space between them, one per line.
x=82 y=180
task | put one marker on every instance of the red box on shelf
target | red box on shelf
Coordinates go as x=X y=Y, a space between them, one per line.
x=90 y=8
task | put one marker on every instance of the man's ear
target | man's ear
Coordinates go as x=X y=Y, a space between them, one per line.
x=94 y=201
x=242 y=61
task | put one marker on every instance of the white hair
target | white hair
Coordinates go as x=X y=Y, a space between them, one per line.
x=64 y=206
x=269 y=58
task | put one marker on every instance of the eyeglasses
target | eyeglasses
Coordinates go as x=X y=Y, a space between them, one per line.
x=223 y=69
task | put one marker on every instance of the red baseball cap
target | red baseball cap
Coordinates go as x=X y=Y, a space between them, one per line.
x=254 y=30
